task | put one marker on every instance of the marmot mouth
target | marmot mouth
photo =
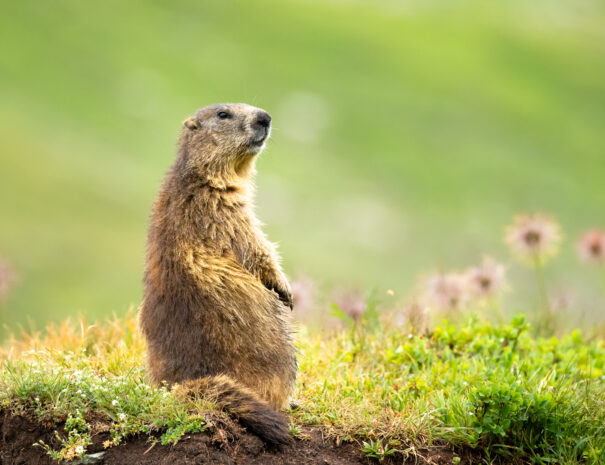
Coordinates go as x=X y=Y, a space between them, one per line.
x=259 y=140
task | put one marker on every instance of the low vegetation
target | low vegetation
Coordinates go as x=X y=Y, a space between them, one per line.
x=493 y=388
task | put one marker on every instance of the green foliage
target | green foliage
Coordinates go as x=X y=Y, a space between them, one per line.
x=179 y=426
x=295 y=430
x=377 y=450
x=493 y=388
x=78 y=438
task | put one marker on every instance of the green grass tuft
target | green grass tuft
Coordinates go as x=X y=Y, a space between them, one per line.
x=493 y=388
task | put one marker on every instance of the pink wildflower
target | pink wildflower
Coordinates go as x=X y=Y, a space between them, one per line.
x=416 y=315
x=352 y=303
x=303 y=293
x=534 y=237
x=591 y=246
x=447 y=291
x=486 y=280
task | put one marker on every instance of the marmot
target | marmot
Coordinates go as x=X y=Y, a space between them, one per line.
x=215 y=310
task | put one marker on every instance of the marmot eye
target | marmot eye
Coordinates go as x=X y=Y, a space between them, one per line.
x=223 y=115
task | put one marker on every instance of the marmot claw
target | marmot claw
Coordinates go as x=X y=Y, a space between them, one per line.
x=284 y=293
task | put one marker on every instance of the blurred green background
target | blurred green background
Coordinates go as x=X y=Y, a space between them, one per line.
x=406 y=136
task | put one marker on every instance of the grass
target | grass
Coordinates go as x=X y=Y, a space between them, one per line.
x=436 y=114
x=494 y=388
x=76 y=374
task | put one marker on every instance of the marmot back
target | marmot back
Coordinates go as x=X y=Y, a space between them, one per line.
x=215 y=307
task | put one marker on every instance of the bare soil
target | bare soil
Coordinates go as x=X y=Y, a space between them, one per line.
x=225 y=442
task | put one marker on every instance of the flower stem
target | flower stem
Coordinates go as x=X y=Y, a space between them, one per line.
x=494 y=304
x=546 y=318
x=602 y=275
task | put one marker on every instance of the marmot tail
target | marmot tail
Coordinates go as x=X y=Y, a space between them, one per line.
x=252 y=412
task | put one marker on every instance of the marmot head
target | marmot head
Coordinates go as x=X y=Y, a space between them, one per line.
x=219 y=142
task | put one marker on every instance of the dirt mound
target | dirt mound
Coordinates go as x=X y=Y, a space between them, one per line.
x=225 y=442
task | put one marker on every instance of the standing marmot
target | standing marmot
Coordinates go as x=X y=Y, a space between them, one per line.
x=215 y=305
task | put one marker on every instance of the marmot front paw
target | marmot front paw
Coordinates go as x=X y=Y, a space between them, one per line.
x=281 y=287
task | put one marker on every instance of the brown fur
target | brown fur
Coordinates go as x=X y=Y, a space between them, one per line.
x=215 y=305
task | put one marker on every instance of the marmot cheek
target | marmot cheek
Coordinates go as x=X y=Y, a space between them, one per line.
x=213 y=139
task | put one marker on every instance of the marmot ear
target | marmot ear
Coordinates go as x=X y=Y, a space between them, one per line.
x=191 y=123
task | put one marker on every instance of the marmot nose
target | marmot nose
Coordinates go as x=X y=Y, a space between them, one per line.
x=263 y=119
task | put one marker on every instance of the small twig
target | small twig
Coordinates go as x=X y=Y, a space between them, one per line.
x=150 y=447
